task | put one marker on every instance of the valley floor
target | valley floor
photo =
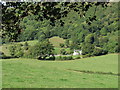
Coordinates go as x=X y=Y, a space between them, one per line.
x=32 y=73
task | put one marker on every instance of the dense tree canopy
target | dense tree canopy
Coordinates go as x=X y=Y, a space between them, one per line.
x=14 y=12
x=92 y=27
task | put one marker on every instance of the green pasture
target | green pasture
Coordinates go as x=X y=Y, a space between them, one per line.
x=32 y=73
x=54 y=40
x=57 y=50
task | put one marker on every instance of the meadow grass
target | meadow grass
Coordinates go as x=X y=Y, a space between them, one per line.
x=56 y=41
x=32 y=73
x=57 y=50
x=5 y=47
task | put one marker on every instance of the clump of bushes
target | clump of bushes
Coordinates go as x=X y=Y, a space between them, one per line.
x=77 y=57
x=62 y=45
x=16 y=50
x=2 y=55
x=64 y=58
x=99 y=51
x=26 y=46
x=87 y=55
x=63 y=52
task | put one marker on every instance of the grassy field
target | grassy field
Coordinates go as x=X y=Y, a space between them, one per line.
x=31 y=73
x=54 y=40
x=57 y=50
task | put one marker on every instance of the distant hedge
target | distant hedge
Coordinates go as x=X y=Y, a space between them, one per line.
x=64 y=58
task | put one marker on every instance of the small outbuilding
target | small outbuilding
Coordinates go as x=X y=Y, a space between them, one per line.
x=77 y=52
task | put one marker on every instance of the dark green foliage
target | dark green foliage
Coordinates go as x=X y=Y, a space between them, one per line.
x=51 y=57
x=54 y=12
x=41 y=50
x=41 y=38
x=16 y=50
x=19 y=53
x=63 y=52
x=62 y=45
x=99 y=51
x=64 y=58
x=2 y=55
x=89 y=38
x=87 y=48
x=67 y=43
x=12 y=50
x=103 y=40
x=85 y=56
x=26 y=46
x=58 y=58
x=103 y=31
x=77 y=57
x=85 y=25
x=74 y=46
x=117 y=49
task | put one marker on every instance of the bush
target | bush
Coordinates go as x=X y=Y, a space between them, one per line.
x=62 y=45
x=19 y=54
x=26 y=46
x=69 y=58
x=85 y=56
x=12 y=50
x=16 y=50
x=77 y=57
x=64 y=58
x=63 y=52
x=89 y=38
x=2 y=55
x=40 y=50
x=28 y=54
x=58 y=58
x=87 y=48
x=99 y=51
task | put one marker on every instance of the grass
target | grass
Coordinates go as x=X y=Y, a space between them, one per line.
x=56 y=41
x=57 y=50
x=31 y=73
x=5 y=47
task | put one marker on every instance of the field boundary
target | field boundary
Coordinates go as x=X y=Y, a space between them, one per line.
x=92 y=72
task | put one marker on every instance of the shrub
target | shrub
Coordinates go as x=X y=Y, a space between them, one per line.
x=87 y=48
x=67 y=43
x=99 y=51
x=2 y=55
x=85 y=56
x=62 y=45
x=89 y=38
x=64 y=58
x=19 y=53
x=69 y=58
x=63 y=52
x=28 y=54
x=16 y=50
x=58 y=58
x=12 y=50
x=40 y=50
x=77 y=57
x=26 y=46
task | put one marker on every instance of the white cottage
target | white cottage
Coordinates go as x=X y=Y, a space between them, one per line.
x=77 y=52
